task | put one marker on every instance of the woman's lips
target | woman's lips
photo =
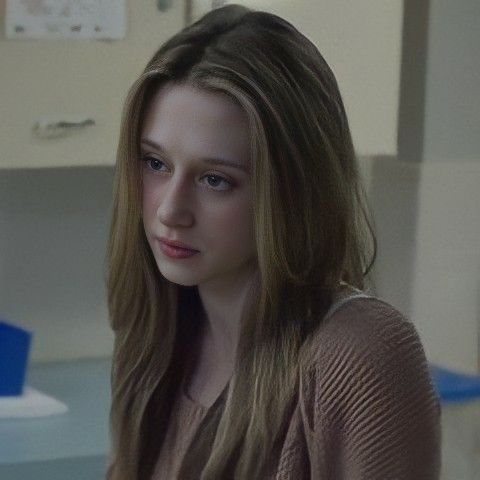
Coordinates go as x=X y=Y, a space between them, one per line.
x=176 y=252
x=176 y=243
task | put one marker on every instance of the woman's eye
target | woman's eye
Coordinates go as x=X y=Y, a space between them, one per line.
x=155 y=164
x=150 y=160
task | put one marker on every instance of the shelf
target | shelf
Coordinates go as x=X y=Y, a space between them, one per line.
x=77 y=441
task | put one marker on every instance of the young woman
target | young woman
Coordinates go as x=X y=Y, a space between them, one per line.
x=253 y=352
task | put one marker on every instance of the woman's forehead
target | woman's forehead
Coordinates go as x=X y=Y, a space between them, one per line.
x=185 y=118
x=172 y=99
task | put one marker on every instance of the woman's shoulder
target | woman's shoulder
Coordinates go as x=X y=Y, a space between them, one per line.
x=366 y=346
x=370 y=381
x=363 y=322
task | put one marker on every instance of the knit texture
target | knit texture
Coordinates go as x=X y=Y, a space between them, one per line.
x=367 y=409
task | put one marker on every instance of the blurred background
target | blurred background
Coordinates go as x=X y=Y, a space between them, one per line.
x=409 y=74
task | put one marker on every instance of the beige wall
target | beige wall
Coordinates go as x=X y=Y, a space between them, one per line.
x=428 y=265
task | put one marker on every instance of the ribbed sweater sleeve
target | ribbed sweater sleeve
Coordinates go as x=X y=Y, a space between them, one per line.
x=376 y=414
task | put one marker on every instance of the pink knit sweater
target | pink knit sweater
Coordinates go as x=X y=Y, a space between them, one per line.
x=368 y=410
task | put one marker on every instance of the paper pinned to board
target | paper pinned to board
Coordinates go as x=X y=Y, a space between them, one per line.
x=32 y=403
x=73 y=19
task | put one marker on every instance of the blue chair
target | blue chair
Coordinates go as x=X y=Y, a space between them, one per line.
x=454 y=387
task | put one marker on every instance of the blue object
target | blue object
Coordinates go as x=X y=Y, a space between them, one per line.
x=455 y=386
x=14 y=349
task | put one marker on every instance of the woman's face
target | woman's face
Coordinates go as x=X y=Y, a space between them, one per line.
x=209 y=207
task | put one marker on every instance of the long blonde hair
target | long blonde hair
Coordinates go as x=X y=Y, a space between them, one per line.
x=312 y=231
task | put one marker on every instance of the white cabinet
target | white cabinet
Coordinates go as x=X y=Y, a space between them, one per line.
x=68 y=79
x=89 y=79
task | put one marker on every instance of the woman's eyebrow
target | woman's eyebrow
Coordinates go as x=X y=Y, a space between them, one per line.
x=209 y=160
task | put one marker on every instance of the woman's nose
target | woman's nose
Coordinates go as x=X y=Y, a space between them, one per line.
x=175 y=201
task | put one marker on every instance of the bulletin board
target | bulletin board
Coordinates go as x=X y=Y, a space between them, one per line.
x=72 y=19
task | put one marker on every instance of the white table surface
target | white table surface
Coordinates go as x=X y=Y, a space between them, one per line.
x=84 y=385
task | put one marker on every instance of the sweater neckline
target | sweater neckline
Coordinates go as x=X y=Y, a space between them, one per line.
x=193 y=404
